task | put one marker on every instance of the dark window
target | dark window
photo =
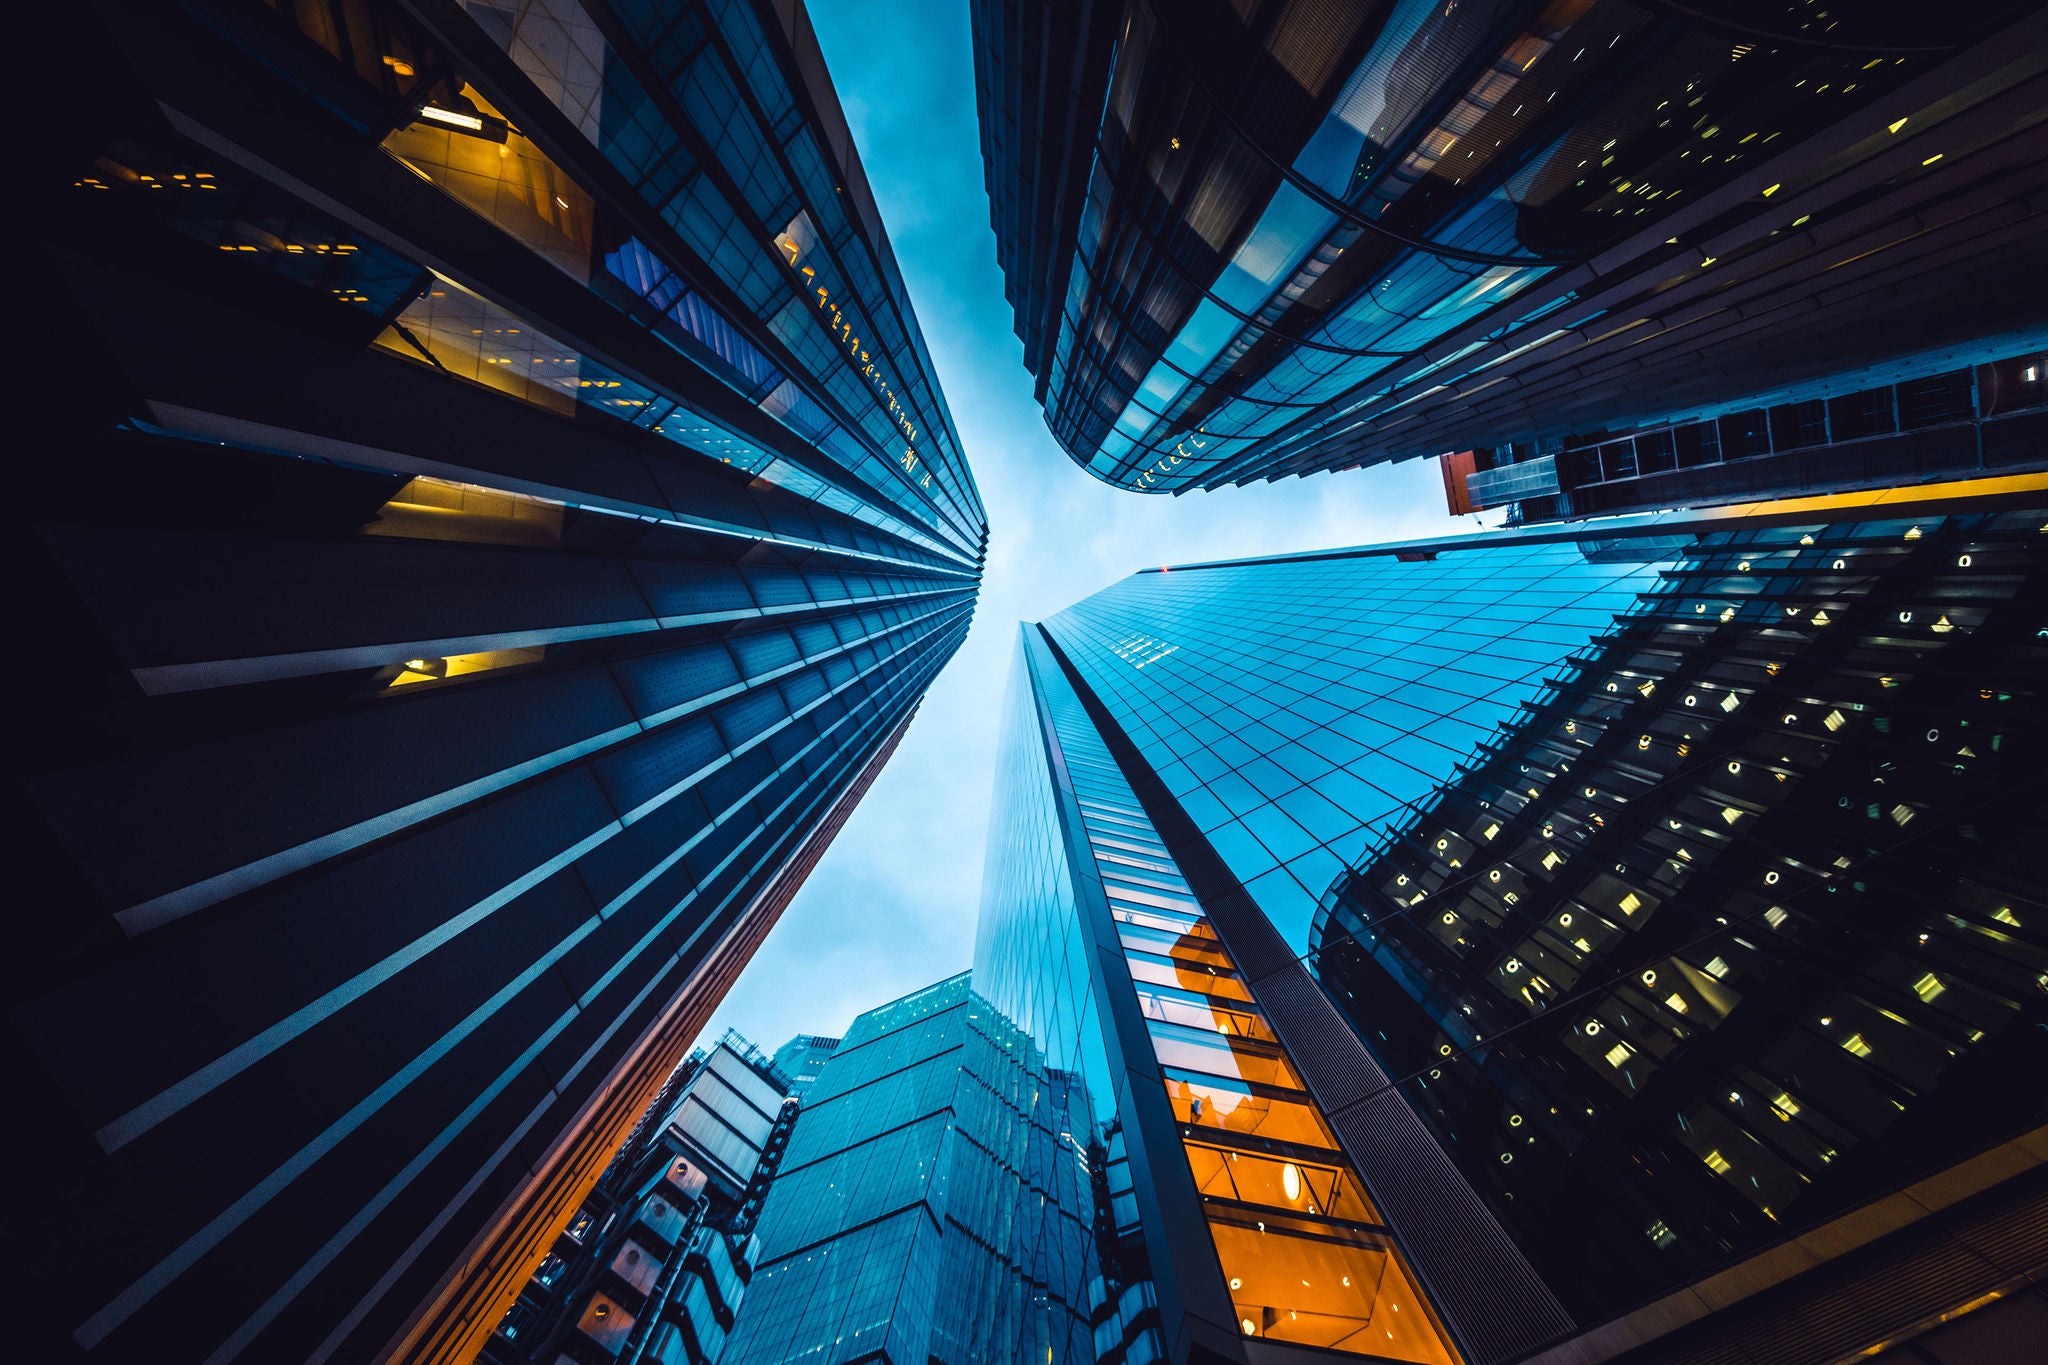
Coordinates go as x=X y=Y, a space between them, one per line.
x=1744 y=434
x=1697 y=445
x=1936 y=399
x=1857 y=415
x=1799 y=424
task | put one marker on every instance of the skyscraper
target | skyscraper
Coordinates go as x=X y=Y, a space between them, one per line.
x=655 y=1264
x=1842 y=434
x=803 y=1060
x=935 y=1202
x=1249 y=240
x=1738 y=927
x=505 y=518
x=1226 y=808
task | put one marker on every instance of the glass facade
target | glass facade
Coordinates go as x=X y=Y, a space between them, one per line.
x=935 y=1202
x=803 y=1059
x=693 y=107
x=1738 y=924
x=1297 y=1247
x=1251 y=240
x=1868 y=430
x=525 y=520
x=1296 y=709
x=1672 y=885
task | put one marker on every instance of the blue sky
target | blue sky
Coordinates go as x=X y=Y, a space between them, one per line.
x=892 y=906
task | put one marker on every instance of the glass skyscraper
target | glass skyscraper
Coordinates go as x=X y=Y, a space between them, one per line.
x=803 y=1060
x=1294 y=707
x=1247 y=240
x=935 y=1201
x=1740 y=924
x=502 y=517
x=1241 y=883
x=1241 y=1213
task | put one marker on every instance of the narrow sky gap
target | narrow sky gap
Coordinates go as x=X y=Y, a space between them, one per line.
x=892 y=906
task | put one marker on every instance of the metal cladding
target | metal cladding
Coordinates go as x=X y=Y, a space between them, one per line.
x=502 y=518
x=1249 y=240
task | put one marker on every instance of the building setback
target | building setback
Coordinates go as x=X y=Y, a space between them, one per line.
x=1248 y=240
x=802 y=1059
x=655 y=1264
x=1874 y=429
x=505 y=519
x=1241 y=882
x=937 y=1201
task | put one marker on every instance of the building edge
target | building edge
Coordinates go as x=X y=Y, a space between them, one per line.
x=451 y=1325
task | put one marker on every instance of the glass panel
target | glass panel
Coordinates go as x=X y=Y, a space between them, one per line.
x=1303 y=1187
x=1185 y=1007
x=1324 y=1286
x=1220 y=1055
x=1209 y=1102
x=512 y=183
x=437 y=509
x=1162 y=971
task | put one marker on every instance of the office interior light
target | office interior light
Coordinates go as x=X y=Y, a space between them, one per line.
x=466 y=121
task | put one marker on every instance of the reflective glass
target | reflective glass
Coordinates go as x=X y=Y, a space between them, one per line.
x=1256 y=1146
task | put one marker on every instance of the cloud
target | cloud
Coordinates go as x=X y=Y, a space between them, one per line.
x=892 y=906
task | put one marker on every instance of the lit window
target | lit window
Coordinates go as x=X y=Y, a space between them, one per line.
x=1785 y=1105
x=1929 y=986
x=417 y=671
x=1619 y=1054
x=440 y=509
x=1717 y=1163
x=1676 y=1001
x=1717 y=966
x=1855 y=1046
